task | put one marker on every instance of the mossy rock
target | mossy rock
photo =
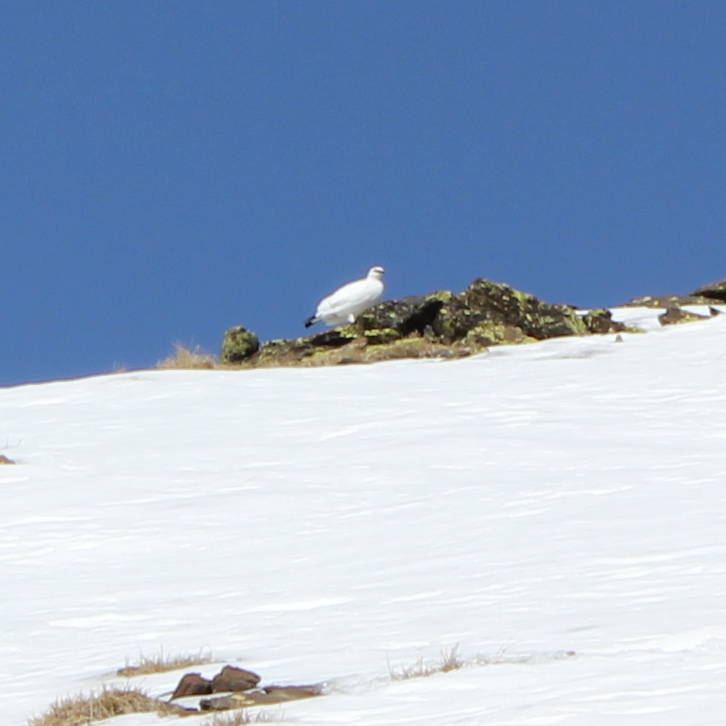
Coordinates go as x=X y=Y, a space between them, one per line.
x=490 y=303
x=408 y=316
x=488 y=334
x=238 y=345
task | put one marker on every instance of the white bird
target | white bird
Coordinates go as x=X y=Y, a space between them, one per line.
x=348 y=302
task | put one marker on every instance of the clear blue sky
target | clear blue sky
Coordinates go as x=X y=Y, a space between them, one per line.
x=170 y=169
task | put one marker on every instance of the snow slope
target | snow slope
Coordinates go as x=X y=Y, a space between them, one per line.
x=331 y=524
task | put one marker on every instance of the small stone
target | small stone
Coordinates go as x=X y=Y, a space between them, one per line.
x=4 y=460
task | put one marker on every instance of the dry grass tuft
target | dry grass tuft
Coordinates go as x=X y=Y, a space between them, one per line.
x=449 y=661
x=188 y=359
x=161 y=663
x=241 y=717
x=82 y=710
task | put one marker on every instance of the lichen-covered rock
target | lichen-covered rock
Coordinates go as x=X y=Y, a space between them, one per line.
x=402 y=318
x=440 y=325
x=712 y=291
x=675 y=316
x=238 y=345
x=601 y=321
x=485 y=303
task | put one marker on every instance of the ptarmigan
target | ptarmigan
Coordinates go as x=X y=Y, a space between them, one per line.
x=348 y=302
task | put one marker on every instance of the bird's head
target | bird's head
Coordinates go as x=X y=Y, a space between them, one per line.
x=376 y=272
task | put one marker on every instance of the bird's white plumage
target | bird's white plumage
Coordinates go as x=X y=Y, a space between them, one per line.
x=349 y=301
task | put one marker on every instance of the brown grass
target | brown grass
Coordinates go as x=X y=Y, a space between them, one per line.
x=241 y=717
x=161 y=663
x=449 y=661
x=82 y=710
x=188 y=359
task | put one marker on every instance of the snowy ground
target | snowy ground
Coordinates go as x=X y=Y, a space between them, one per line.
x=330 y=524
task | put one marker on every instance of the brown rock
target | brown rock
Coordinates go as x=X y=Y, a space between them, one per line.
x=234 y=679
x=675 y=316
x=4 y=460
x=192 y=684
x=260 y=697
x=713 y=291
x=601 y=321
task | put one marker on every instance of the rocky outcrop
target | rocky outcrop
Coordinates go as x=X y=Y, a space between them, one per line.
x=438 y=325
x=446 y=325
x=714 y=291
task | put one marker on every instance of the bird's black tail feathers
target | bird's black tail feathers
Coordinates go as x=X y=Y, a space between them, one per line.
x=310 y=321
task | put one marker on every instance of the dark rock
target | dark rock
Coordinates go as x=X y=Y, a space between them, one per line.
x=713 y=311
x=238 y=345
x=601 y=322
x=234 y=679
x=712 y=291
x=486 y=305
x=675 y=316
x=401 y=318
x=192 y=684
x=438 y=325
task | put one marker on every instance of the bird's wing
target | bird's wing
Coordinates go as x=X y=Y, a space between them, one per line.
x=350 y=295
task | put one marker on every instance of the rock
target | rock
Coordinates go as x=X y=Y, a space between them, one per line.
x=665 y=301
x=234 y=679
x=601 y=321
x=712 y=291
x=675 y=316
x=4 y=460
x=485 y=306
x=397 y=319
x=192 y=684
x=260 y=697
x=238 y=345
x=441 y=325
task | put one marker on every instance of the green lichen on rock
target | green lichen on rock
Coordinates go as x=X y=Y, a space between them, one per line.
x=488 y=334
x=485 y=303
x=440 y=324
x=238 y=345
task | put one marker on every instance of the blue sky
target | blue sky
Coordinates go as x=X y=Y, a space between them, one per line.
x=171 y=169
